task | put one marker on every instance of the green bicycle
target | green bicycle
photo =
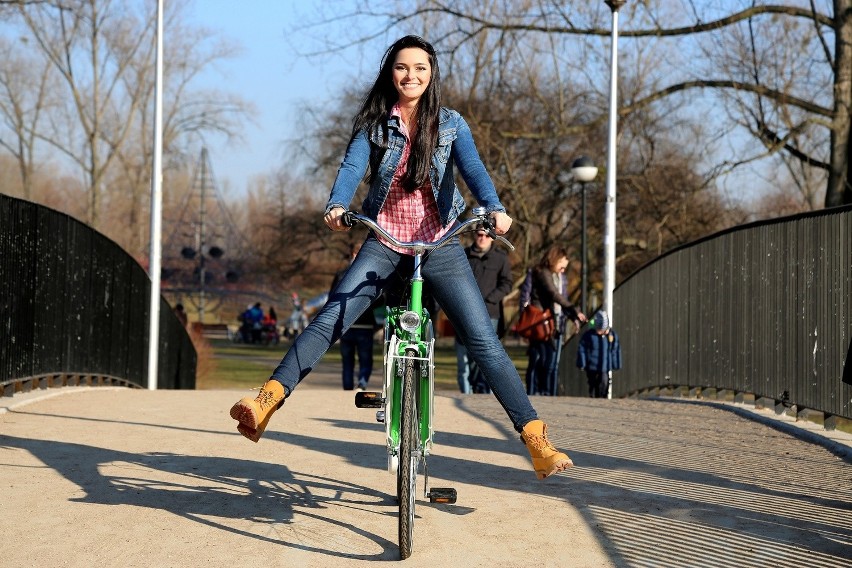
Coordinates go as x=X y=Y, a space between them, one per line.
x=406 y=400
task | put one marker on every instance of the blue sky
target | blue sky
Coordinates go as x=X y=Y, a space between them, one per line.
x=268 y=74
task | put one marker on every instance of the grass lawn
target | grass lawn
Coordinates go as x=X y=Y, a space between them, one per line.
x=239 y=366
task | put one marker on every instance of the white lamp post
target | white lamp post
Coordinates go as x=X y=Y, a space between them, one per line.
x=155 y=262
x=609 y=225
x=584 y=171
x=609 y=230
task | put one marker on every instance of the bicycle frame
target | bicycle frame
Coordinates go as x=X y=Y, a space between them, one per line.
x=399 y=339
x=400 y=335
x=409 y=359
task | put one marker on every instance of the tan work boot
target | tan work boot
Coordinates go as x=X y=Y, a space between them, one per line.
x=253 y=414
x=254 y=434
x=546 y=459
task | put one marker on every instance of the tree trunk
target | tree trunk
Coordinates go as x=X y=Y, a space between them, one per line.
x=839 y=189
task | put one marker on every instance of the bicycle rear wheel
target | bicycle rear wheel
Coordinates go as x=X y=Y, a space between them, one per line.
x=409 y=455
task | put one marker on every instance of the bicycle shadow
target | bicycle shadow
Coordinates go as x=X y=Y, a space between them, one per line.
x=632 y=488
x=635 y=483
x=370 y=455
x=218 y=492
x=486 y=474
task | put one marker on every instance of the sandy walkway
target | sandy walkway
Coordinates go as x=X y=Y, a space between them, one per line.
x=120 y=477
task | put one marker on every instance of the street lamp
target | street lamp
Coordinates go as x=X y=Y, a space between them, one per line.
x=609 y=224
x=609 y=228
x=156 y=247
x=584 y=171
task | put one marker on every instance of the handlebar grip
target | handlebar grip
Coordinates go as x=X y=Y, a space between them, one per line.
x=488 y=225
x=347 y=219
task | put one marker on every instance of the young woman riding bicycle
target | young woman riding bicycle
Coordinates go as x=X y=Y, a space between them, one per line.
x=411 y=145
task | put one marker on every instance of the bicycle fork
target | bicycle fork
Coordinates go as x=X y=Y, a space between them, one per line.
x=408 y=339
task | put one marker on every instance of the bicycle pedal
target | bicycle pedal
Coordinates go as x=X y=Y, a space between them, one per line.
x=368 y=399
x=446 y=495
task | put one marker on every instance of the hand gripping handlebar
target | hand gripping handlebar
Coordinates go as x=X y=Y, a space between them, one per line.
x=479 y=220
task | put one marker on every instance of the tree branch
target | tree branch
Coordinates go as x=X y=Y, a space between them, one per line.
x=626 y=110
x=656 y=32
x=777 y=96
x=775 y=142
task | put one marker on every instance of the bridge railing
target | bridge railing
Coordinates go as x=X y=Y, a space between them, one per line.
x=74 y=308
x=763 y=309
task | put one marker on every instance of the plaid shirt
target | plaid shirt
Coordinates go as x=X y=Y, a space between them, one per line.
x=409 y=216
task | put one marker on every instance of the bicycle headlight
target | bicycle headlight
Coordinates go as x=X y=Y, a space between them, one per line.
x=409 y=321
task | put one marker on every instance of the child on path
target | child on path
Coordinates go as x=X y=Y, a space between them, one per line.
x=599 y=353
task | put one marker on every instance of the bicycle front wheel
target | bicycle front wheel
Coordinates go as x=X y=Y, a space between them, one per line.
x=409 y=455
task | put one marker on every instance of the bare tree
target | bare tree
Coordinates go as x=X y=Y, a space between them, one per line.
x=103 y=53
x=783 y=72
x=289 y=241
x=76 y=38
x=25 y=96
x=190 y=116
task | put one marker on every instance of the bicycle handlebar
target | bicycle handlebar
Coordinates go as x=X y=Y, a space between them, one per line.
x=479 y=221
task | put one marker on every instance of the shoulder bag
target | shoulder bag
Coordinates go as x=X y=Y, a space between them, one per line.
x=535 y=324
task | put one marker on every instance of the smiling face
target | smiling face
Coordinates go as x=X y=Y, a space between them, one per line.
x=411 y=74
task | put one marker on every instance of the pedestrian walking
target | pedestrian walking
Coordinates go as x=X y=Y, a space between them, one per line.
x=549 y=294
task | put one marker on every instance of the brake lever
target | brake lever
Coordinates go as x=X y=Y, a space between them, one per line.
x=488 y=225
x=348 y=219
x=505 y=242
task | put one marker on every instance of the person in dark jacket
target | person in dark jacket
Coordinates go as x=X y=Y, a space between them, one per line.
x=493 y=273
x=599 y=353
x=549 y=291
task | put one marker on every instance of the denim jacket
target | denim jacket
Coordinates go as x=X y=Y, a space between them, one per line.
x=455 y=146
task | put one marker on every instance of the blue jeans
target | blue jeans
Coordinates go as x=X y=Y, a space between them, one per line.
x=462 y=368
x=542 y=369
x=466 y=370
x=449 y=278
x=356 y=340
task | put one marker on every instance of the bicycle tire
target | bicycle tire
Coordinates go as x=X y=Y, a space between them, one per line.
x=408 y=456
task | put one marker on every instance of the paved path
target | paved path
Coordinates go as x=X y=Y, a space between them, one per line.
x=120 y=477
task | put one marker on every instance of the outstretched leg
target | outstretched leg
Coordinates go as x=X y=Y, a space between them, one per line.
x=449 y=276
x=364 y=280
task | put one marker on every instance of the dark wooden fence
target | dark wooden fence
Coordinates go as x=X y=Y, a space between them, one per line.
x=74 y=308
x=763 y=309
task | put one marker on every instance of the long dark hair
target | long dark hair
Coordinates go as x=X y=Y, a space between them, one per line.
x=380 y=100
